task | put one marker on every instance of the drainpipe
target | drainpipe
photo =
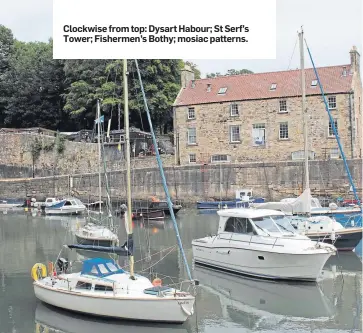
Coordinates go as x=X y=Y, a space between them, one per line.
x=351 y=124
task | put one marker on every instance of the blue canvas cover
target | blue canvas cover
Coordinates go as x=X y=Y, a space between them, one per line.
x=100 y=267
x=57 y=205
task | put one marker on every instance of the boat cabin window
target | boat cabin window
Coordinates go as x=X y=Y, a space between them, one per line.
x=94 y=270
x=112 y=267
x=67 y=203
x=83 y=285
x=73 y=203
x=239 y=225
x=100 y=287
x=275 y=223
x=103 y=269
x=49 y=200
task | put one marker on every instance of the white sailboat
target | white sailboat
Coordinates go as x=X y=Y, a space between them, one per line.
x=102 y=287
x=92 y=233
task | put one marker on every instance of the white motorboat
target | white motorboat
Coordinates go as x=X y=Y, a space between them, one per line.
x=261 y=243
x=103 y=288
x=68 y=206
x=93 y=234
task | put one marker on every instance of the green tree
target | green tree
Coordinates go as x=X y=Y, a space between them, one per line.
x=194 y=67
x=230 y=72
x=34 y=98
x=6 y=51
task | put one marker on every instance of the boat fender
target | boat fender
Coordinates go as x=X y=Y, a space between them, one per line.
x=38 y=271
x=157 y=282
x=333 y=205
x=332 y=236
x=188 y=313
x=352 y=222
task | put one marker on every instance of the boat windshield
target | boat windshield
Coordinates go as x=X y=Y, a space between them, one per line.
x=273 y=223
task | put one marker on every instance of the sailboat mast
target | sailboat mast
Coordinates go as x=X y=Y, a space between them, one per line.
x=304 y=109
x=128 y=160
x=99 y=153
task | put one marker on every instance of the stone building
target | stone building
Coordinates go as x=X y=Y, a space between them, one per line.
x=258 y=117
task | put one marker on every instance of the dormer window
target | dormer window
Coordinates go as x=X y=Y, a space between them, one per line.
x=273 y=86
x=222 y=91
x=314 y=83
x=344 y=71
x=209 y=87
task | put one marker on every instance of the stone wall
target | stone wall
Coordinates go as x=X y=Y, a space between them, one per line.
x=16 y=158
x=191 y=183
x=213 y=121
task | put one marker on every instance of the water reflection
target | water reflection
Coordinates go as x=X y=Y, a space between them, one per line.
x=58 y=320
x=224 y=302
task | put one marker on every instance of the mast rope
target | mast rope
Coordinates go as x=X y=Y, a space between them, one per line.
x=334 y=130
x=160 y=164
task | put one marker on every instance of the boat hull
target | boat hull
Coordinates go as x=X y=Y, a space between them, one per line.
x=220 y=204
x=345 y=240
x=64 y=211
x=147 y=214
x=173 y=310
x=344 y=215
x=262 y=264
x=99 y=242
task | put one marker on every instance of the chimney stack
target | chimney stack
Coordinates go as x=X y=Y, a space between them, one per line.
x=354 y=60
x=186 y=75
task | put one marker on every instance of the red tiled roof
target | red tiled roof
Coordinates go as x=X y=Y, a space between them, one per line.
x=257 y=86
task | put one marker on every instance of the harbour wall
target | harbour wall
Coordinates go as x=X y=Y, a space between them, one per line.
x=195 y=182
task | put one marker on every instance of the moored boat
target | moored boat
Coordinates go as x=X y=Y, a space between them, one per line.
x=68 y=206
x=327 y=230
x=243 y=198
x=103 y=288
x=92 y=234
x=261 y=243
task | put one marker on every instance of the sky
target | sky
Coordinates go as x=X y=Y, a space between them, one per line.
x=331 y=28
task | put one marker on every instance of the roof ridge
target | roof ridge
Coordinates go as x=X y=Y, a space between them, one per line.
x=262 y=73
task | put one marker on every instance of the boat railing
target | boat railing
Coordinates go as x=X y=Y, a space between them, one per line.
x=229 y=239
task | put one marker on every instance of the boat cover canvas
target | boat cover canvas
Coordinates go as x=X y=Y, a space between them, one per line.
x=100 y=267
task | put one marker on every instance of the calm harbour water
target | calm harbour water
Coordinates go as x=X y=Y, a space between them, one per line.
x=225 y=303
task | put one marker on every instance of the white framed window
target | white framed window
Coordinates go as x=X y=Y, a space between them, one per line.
x=191 y=113
x=259 y=134
x=314 y=83
x=192 y=136
x=209 y=87
x=234 y=133
x=300 y=155
x=222 y=91
x=192 y=158
x=330 y=129
x=273 y=86
x=282 y=106
x=234 y=108
x=332 y=102
x=284 y=131
x=222 y=158
x=334 y=153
